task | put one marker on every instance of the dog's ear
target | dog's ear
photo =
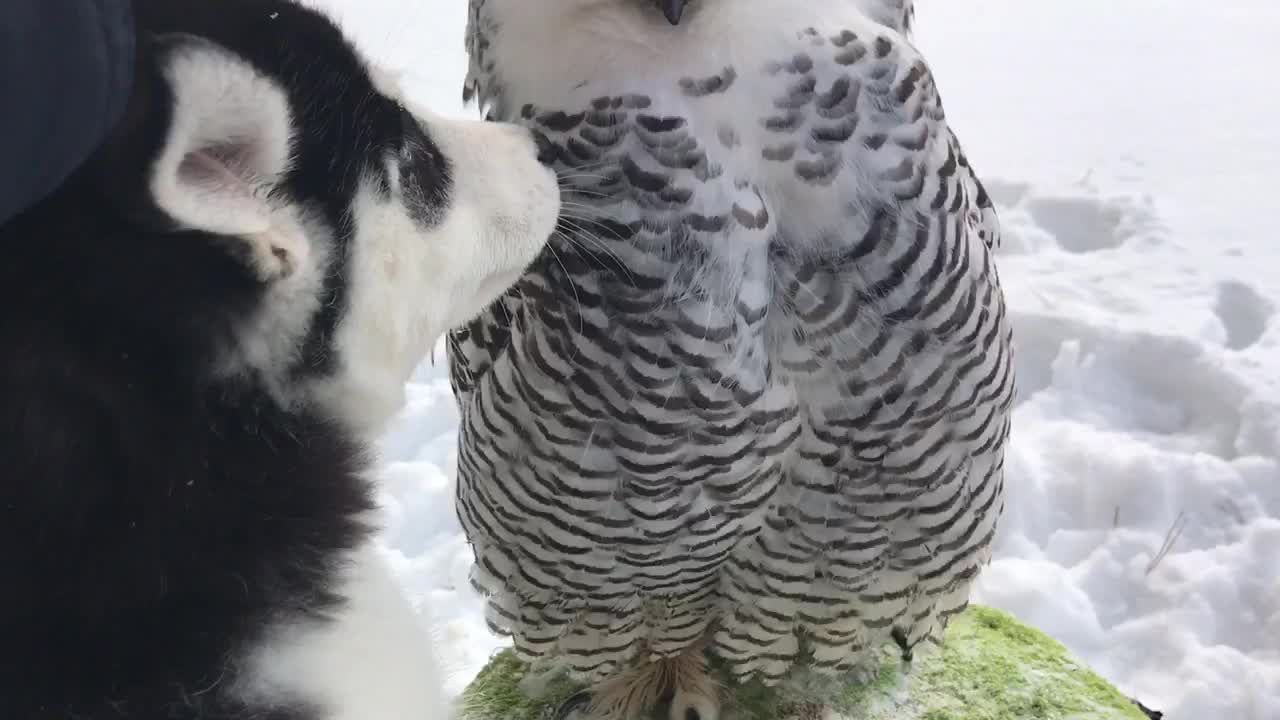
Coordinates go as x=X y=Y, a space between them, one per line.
x=228 y=142
x=228 y=145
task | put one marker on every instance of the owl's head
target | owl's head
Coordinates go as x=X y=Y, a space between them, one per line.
x=672 y=10
x=532 y=46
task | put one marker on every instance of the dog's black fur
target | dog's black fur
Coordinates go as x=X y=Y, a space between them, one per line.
x=154 y=515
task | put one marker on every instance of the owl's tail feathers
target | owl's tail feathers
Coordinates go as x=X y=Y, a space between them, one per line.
x=683 y=681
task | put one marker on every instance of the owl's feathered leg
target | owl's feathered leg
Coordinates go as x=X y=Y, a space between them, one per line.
x=685 y=679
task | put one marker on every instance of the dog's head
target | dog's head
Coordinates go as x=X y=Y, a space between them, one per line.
x=300 y=224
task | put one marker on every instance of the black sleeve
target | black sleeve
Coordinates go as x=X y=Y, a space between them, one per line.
x=66 y=70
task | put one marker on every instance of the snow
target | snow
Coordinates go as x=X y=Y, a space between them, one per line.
x=1131 y=147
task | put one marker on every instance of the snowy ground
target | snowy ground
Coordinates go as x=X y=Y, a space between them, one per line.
x=1132 y=147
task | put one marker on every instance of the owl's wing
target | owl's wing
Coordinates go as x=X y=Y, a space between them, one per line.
x=865 y=119
x=899 y=346
x=472 y=348
x=476 y=41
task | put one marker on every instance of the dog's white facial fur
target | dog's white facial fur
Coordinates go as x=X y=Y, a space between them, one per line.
x=408 y=280
x=503 y=207
x=407 y=283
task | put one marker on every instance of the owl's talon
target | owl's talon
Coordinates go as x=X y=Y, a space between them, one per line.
x=692 y=706
x=570 y=707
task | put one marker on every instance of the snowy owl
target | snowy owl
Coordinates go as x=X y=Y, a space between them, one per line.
x=746 y=419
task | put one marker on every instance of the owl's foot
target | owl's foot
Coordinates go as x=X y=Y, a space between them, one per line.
x=806 y=711
x=574 y=707
x=693 y=705
x=681 y=683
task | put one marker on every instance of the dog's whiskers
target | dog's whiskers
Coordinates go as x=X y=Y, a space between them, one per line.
x=580 y=235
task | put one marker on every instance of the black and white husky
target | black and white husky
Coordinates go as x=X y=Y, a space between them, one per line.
x=199 y=333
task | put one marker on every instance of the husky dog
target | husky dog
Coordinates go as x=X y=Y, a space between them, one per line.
x=200 y=332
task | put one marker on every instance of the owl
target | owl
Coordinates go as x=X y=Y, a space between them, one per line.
x=745 y=420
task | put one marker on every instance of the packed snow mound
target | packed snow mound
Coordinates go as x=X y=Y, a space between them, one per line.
x=1143 y=520
x=1130 y=147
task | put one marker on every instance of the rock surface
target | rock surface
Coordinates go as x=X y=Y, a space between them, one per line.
x=990 y=667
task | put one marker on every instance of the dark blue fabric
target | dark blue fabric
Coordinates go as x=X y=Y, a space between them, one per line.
x=66 y=69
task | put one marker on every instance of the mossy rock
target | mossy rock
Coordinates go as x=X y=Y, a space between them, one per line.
x=990 y=667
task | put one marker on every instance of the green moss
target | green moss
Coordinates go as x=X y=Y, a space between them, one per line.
x=991 y=667
x=857 y=695
x=499 y=692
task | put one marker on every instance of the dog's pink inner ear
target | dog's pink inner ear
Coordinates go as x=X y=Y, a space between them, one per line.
x=215 y=188
x=229 y=142
x=216 y=169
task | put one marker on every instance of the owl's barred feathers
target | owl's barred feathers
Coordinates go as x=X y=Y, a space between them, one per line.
x=758 y=394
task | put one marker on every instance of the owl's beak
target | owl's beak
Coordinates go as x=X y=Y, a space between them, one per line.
x=673 y=10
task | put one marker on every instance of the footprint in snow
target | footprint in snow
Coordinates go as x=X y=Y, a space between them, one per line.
x=1244 y=313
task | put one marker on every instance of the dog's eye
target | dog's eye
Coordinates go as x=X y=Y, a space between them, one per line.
x=411 y=132
x=408 y=123
x=418 y=148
